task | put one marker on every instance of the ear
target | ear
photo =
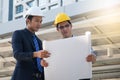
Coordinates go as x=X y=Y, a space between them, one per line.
x=27 y=21
x=57 y=29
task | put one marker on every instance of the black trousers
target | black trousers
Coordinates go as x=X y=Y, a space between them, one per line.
x=38 y=76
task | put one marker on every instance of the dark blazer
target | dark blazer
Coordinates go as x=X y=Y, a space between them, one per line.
x=23 y=48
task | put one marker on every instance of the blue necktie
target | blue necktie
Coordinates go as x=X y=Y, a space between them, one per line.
x=40 y=68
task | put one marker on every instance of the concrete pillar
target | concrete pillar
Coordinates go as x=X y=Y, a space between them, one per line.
x=109 y=52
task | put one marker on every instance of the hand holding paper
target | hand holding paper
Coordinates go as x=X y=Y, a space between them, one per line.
x=68 y=59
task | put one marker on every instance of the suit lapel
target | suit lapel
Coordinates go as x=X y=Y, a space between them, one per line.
x=31 y=41
x=29 y=37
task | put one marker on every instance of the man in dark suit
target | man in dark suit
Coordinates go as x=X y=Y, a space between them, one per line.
x=27 y=49
x=64 y=27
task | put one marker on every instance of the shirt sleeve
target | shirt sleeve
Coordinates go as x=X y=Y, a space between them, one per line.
x=93 y=52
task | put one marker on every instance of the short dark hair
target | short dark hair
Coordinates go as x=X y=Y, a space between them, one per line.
x=67 y=21
x=29 y=17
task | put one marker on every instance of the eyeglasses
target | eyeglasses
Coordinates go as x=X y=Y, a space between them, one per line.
x=62 y=27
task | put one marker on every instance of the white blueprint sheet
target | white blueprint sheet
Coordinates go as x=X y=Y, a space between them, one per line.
x=68 y=58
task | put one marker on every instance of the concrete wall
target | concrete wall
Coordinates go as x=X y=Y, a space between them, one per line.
x=5 y=11
x=1 y=11
x=65 y=2
x=12 y=26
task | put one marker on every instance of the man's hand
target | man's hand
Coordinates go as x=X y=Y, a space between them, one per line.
x=91 y=58
x=41 y=54
x=44 y=63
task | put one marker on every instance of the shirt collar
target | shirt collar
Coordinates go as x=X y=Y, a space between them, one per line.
x=29 y=32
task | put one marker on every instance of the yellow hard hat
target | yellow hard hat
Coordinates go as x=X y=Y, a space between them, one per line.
x=61 y=17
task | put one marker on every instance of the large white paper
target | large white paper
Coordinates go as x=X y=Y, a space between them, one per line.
x=68 y=58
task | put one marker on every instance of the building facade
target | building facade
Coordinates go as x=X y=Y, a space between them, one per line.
x=21 y=6
x=15 y=9
x=6 y=10
x=0 y=11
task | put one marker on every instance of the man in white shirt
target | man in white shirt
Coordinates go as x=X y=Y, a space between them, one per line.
x=64 y=27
